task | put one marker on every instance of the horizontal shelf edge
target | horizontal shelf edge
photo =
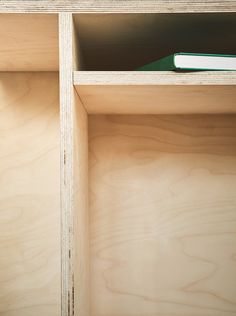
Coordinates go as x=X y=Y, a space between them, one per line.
x=121 y=6
x=154 y=78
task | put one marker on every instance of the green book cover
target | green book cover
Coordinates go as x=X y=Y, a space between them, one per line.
x=196 y=61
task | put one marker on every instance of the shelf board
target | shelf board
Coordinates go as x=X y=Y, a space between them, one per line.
x=134 y=92
x=122 y=6
x=154 y=78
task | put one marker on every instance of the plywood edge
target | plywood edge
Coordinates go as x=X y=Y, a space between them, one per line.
x=66 y=103
x=122 y=6
x=74 y=244
x=156 y=92
x=153 y=78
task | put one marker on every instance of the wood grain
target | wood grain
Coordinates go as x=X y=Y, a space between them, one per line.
x=126 y=78
x=156 y=96
x=28 y=42
x=29 y=195
x=74 y=180
x=162 y=215
x=67 y=178
x=81 y=211
x=109 y=6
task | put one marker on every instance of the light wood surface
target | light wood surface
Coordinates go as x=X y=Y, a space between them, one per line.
x=81 y=211
x=209 y=78
x=128 y=41
x=158 y=99
x=149 y=229
x=28 y=42
x=29 y=195
x=157 y=92
x=74 y=181
x=81 y=273
x=110 y=6
x=162 y=215
x=67 y=180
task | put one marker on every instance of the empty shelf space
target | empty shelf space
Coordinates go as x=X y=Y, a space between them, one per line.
x=161 y=215
x=156 y=92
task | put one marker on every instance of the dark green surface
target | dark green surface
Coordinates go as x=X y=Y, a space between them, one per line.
x=168 y=63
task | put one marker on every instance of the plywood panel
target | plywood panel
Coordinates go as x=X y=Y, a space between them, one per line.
x=156 y=92
x=141 y=78
x=74 y=181
x=162 y=215
x=28 y=42
x=67 y=175
x=158 y=99
x=81 y=212
x=117 y=6
x=29 y=195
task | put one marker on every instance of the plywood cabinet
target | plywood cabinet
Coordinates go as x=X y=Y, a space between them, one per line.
x=117 y=187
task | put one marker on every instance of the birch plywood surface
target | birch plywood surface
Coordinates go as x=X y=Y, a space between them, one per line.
x=162 y=215
x=158 y=99
x=156 y=92
x=81 y=216
x=110 y=6
x=74 y=182
x=28 y=42
x=29 y=195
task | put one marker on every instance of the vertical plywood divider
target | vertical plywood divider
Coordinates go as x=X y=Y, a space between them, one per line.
x=80 y=216
x=66 y=99
x=74 y=197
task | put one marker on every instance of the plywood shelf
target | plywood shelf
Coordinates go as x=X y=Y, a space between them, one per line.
x=154 y=78
x=156 y=92
x=111 y=6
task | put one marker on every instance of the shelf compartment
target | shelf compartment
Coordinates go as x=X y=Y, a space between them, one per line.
x=156 y=92
x=162 y=214
x=29 y=42
x=29 y=194
x=127 y=41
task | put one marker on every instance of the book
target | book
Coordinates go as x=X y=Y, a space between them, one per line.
x=192 y=61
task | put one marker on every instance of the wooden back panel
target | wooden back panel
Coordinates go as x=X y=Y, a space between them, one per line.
x=29 y=195
x=162 y=215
